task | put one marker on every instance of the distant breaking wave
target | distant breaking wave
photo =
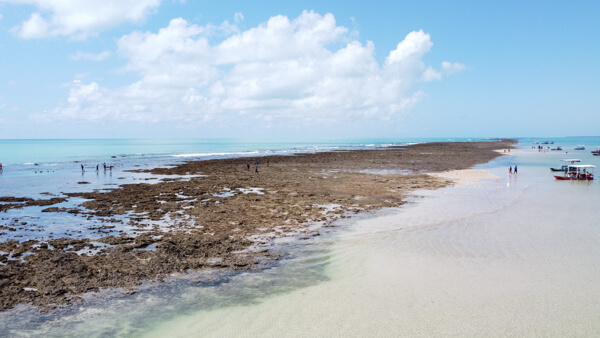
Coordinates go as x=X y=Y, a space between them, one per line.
x=216 y=154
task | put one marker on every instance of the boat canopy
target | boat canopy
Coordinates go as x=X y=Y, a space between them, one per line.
x=582 y=166
x=572 y=161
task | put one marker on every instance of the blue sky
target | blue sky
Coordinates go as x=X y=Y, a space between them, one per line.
x=341 y=69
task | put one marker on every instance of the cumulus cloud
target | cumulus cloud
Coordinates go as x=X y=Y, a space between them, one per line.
x=282 y=71
x=80 y=18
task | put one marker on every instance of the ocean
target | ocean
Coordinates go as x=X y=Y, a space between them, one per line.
x=508 y=255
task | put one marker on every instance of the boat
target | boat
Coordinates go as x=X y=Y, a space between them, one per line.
x=557 y=148
x=551 y=142
x=566 y=165
x=596 y=152
x=545 y=142
x=580 y=147
x=578 y=172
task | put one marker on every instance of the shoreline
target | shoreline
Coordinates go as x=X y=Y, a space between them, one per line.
x=225 y=219
x=465 y=176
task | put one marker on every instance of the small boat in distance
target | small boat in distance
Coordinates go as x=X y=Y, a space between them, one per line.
x=580 y=147
x=596 y=152
x=557 y=148
x=566 y=165
x=578 y=172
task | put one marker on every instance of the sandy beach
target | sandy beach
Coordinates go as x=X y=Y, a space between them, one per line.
x=219 y=215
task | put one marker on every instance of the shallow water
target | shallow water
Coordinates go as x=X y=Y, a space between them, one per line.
x=515 y=255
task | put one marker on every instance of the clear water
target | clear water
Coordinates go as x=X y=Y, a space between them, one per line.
x=514 y=255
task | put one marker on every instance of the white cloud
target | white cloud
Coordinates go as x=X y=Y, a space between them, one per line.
x=451 y=68
x=431 y=74
x=411 y=49
x=34 y=28
x=90 y=56
x=238 y=17
x=80 y=18
x=282 y=71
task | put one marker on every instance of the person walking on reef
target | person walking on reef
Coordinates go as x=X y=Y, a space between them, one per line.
x=82 y=169
x=515 y=168
x=256 y=170
x=510 y=170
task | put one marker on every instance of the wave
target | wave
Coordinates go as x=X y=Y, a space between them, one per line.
x=216 y=154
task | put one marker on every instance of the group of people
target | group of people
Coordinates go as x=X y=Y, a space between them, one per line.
x=98 y=167
x=255 y=166
x=580 y=175
x=510 y=170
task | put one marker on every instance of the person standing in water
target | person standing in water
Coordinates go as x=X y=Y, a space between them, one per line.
x=510 y=170
x=515 y=168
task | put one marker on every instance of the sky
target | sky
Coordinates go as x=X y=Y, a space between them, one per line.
x=303 y=69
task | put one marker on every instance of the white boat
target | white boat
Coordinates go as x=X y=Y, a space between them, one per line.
x=580 y=147
x=565 y=166
x=578 y=172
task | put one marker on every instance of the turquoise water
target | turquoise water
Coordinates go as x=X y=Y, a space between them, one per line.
x=16 y=152
x=31 y=167
x=513 y=255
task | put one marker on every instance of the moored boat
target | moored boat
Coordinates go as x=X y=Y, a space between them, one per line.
x=580 y=147
x=578 y=172
x=596 y=152
x=565 y=166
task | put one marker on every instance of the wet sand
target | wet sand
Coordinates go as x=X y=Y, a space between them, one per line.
x=225 y=217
